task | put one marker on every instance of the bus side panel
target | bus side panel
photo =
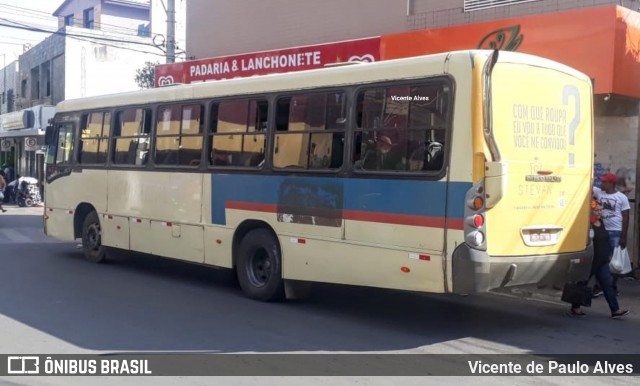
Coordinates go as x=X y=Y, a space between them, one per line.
x=163 y=196
x=372 y=266
x=179 y=241
x=67 y=192
x=164 y=215
x=59 y=223
x=407 y=214
x=218 y=242
x=140 y=235
x=115 y=231
x=63 y=199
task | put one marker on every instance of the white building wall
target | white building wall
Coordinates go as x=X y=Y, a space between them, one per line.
x=98 y=68
x=121 y=24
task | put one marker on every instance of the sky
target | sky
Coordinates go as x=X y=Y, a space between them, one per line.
x=35 y=13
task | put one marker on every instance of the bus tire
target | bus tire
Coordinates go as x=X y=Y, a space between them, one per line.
x=259 y=266
x=92 y=246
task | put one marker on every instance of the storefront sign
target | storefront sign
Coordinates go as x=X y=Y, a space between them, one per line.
x=31 y=144
x=269 y=62
x=5 y=144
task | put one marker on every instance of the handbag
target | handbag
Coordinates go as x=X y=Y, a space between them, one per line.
x=577 y=293
x=620 y=263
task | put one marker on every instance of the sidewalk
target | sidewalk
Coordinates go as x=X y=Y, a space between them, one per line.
x=15 y=210
x=628 y=287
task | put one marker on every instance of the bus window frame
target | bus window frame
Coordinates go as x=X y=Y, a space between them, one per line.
x=348 y=95
x=108 y=139
x=208 y=143
x=155 y=115
x=438 y=80
x=113 y=138
x=72 y=118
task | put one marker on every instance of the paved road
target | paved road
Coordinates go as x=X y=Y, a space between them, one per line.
x=54 y=302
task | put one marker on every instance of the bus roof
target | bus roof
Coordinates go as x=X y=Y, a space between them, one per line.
x=405 y=68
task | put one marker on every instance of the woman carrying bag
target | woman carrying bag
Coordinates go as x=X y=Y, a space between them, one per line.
x=600 y=265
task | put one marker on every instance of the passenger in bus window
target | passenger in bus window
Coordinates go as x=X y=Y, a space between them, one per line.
x=382 y=153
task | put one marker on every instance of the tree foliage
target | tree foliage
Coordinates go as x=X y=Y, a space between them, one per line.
x=145 y=76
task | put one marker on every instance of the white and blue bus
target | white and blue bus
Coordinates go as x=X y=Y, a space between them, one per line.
x=449 y=173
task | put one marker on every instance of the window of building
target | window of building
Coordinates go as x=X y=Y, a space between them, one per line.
x=68 y=20
x=94 y=140
x=310 y=131
x=144 y=30
x=88 y=21
x=23 y=88
x=477 y=5
x=402 y=128
x=238 y=130
x=131 y=137
x=179 y=135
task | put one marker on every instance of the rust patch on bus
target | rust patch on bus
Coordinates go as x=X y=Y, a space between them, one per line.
x=310 y=202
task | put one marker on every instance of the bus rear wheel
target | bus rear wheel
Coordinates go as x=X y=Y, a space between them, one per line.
x=92 y=246
x=259 y=266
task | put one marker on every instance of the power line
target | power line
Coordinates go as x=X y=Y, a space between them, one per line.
x=12 y=43
x=91 y=39
x=45 y=15
x=64 y=33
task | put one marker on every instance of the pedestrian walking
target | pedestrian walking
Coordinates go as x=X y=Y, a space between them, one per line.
x=600 y=266
x=3 y=184
x=615 y=214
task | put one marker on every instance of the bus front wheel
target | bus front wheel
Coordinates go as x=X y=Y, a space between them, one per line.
x=92 y=246
x=259 y=266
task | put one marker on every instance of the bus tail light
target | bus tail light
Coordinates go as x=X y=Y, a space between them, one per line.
x=475 y=224
x=478 y=220
x=475 y=238
x=476 y=202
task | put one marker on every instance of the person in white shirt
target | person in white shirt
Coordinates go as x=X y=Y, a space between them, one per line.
x=615 y=212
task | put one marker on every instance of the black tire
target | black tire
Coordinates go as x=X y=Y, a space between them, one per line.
x=259 y=266
x=92 y=246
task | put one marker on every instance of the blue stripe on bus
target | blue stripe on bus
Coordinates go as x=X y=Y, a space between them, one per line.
x=388 y=196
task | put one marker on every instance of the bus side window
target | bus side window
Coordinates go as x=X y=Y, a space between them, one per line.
x=94 y=139
x=62 y=155
x=238 y=133
x=179 y=135
x=401 y=128
x=131 y=137
x=310 y=131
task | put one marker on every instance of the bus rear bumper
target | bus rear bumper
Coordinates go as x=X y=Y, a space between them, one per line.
x=476 y=271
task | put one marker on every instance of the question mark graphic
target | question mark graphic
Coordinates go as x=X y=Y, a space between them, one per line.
x=567 y=92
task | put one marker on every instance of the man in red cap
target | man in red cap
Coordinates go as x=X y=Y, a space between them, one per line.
x=615 y=212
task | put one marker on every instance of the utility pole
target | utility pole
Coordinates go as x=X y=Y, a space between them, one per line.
x=171 y=31
x=4 y=84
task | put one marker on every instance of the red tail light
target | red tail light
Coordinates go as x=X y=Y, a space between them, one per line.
x=478 y=220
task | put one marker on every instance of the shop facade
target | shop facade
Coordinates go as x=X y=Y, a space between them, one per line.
x=22 y=140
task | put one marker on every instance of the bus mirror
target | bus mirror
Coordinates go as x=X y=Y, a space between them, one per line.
x=495 y=182
x=49 y=135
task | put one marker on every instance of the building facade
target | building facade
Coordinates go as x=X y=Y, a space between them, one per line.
x=93 y=53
